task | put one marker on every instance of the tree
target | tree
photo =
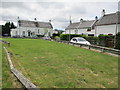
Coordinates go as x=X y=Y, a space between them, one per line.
x=12 y=26
x=7 y=28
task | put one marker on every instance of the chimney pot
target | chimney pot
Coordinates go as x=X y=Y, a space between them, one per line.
x=49 y=21
x=96 y=18
x=35 y=19
x=81 y=20
x=103 y=12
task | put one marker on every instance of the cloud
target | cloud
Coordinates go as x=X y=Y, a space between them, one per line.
x=58 y=12
x=119 y=6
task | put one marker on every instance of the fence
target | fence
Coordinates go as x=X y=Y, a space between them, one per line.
x=99 y=48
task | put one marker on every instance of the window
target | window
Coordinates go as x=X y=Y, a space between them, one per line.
x=76 y=31
x=38 y=31
x=81 y=39
x=16 y=33
x=90 y=34
x=89 y=29
x=110 y=34
x=23 y=33
x=74 y=39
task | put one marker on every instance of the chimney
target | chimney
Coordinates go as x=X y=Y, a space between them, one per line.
x=103 y=12
x=49 y=21
x=36 y=22
x=35 y=19
x=18 y=21
x=70 y=20
x=81 y=20
x=96 y=18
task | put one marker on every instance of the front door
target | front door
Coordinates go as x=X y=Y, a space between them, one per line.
x=29 y=33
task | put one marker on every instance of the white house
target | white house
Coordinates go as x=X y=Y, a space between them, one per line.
x=108 y=24
x=83 y=27
x=27 y=28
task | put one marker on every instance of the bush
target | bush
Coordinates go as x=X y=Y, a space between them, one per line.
x=57 y=38
x=92 y=40
x=54 y=35
x=102 y=40
x=106 y=40
x=117 y=44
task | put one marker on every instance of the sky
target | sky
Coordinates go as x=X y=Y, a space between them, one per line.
x=58 y=11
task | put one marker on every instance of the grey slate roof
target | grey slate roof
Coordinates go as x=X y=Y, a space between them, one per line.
x=81 y=25
x=25 y=23
x=109 y=19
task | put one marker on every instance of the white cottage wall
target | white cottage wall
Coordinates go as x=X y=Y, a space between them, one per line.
x=14 y=32
x=79 y=31
x=106 y=29
x=23 y=31
x=82 y=31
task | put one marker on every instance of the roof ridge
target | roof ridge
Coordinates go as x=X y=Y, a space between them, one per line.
x=111 y=13
x=33 y=21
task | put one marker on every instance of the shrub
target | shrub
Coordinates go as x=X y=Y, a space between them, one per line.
x=54 y=35
x=92 y=40
x=106 y=40
x=117 y=44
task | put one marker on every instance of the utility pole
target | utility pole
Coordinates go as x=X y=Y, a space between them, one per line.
x=116 y=29
x=69 y=29
x=18 y=24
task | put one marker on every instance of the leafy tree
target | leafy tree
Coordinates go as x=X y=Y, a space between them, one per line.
x=12 y=26
x=7 y=28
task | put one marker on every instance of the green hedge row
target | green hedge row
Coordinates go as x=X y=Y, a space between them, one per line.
x=117 y=44
x=102 y=40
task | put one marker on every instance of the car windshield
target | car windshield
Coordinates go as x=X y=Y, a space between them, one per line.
x=81 y=39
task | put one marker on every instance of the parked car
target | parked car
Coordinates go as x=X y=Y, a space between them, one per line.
x=79 y=40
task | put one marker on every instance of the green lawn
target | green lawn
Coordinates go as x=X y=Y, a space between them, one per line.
x=8 y=79
x=0 y=65
x=50 y=64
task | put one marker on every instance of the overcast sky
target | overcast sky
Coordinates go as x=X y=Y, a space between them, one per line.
x=58 y=12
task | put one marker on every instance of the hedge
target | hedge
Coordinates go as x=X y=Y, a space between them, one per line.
x=102 y=40
x=117 y=44
x=106 y=40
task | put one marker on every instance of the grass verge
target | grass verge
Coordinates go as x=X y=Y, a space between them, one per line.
x=55 y=65
x=8 y=79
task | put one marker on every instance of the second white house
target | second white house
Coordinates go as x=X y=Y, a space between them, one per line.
x=27 y=28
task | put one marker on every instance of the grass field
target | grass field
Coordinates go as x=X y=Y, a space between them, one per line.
x=55 y=65
x=0 y=65
x=8 y=79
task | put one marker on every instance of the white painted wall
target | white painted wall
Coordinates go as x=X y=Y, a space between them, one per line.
x=67 y=31
x=82 y=31
x=79 y=31
x=106 y=29
x=35 y=30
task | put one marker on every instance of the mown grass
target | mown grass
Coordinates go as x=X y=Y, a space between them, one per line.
x=51 y=64
x=8 y=79
x=0 y=65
